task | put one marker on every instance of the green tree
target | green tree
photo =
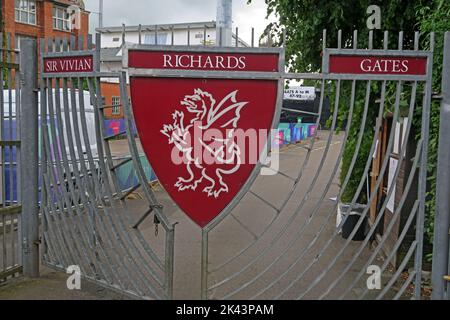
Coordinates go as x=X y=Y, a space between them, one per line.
x=304 y=21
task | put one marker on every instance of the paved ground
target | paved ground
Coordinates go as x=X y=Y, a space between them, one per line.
x=249 y=220
x=52 y=286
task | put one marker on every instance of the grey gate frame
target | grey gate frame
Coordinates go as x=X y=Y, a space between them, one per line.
x=87 y=219
x=441 y=253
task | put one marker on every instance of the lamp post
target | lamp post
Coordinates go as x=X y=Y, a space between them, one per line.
x=224 y=22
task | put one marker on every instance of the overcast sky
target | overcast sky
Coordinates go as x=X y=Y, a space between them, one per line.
x=134 y=12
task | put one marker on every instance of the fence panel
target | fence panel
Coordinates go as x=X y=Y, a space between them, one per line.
x=10 y=208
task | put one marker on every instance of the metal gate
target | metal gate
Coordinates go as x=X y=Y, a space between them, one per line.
x=281 y=241
x=297 y=252
x=10 y=208
x=89 y=220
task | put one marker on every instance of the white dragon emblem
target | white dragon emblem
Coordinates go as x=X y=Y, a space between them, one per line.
x=200 y=111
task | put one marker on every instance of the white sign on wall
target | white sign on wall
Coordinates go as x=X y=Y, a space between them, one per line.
x=300 y=93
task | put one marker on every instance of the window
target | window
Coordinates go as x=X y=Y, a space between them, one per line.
x=25 y=11
x=116 y=39
x=150 y=38
x=115 y=106
x=61 y=19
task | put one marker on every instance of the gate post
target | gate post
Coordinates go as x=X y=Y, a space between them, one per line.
x=442 y=218
x=29 y=166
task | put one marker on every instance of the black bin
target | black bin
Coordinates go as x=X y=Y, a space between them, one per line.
x=350 y=224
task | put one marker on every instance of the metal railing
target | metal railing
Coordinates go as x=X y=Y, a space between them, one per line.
x=10 y=263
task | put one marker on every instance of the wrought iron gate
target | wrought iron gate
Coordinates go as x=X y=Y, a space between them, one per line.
x=283 y=241
x=88 y=218
x=298 y=252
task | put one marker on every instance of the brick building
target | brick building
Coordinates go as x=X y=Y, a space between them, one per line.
x=44 y=18
x=111 y=96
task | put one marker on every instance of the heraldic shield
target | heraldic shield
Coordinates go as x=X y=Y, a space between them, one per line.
x=204 y=117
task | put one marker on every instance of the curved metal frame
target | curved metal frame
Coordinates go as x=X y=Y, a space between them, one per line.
x=86 y=214
x=286 y=227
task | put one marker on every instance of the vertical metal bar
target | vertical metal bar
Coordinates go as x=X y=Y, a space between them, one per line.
x=123 y=34
x=204 y=266
x=400 y=41
x=156 y=34
x=339 y=44
x=29 y=164
x=17 y=249
x=2 y=123
x=89 y=43
x=442 y=218
x=140 y=33
x=100 y=14
x=80 y=42
x=224 y=22
x=4 y=256
x=12 y=150
x=2 y=131
x=237 y=37
x=10 y=120
x=188 y=35
x=170 y=253
x=65 y=46
x=43 y=125
x=171 y=35
x=416 y=40
x=253 y=37
x=423 y=172
x=204 y=35
x=370 y=39
x=17 y=131
x=386 y=40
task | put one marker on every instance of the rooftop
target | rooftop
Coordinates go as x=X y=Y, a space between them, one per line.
x=160 y=27
x=111 y=54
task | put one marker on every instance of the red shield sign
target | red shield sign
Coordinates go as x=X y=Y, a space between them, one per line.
x=203 y=119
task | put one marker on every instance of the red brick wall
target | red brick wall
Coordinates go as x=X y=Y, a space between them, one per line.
x=110 y=90
x=44 y=26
